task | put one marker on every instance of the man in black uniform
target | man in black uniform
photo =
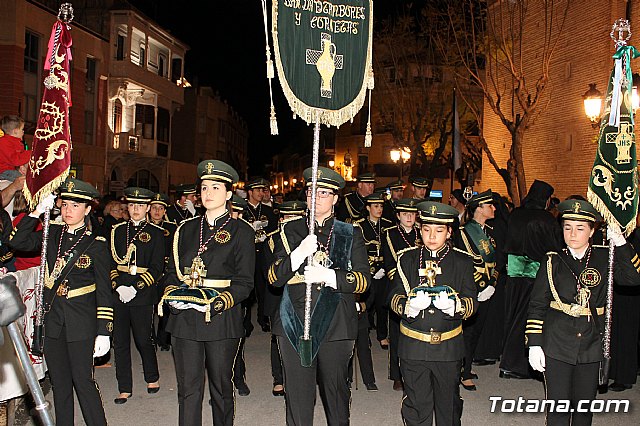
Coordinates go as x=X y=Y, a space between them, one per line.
x=531 y=232
x=340 y=262
x=396 y=192
x=352 y=205
x=373 y=225
x=184 y=206
x=420 y=187
x=433 y=293
x=404 y=235
x=137 y=261
x=157 y=216
x=264 y=221
x=78 y=303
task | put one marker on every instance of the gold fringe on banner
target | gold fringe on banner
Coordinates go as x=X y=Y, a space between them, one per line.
x=309 y=113
x=34 y=200
x=606 y=214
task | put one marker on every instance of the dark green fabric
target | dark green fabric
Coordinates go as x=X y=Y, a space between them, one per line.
x=481 y=241
x=612 y=189
x=326 y=303
x=300 y=32
x=522 y=267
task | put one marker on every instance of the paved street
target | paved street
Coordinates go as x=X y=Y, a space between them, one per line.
x=367 y=408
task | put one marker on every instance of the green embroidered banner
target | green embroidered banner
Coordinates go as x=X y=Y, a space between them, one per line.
x=323 y=56
x=613 y=185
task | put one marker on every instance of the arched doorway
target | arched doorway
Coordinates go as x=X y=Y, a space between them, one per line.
x=144 y=179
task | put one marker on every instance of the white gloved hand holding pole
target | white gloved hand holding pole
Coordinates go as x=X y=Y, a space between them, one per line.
x=320 y=274
x=45 y=203
x=537 y=358
x=379 y=275
x=306 y=248
x=614 y=234
x=486 y=294
x=188 y=204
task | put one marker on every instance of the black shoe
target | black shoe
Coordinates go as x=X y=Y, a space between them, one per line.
x=468 y=387
x=265 y=327
x=473 y=376
x=121 y=400
x=619 y=387
x=243 y=389
x=165 y=348
x=384 y=346
x=371 y=387
x=481 y=362
x=277 y=392
x=398 y=385
x=153 y=390
x=506 y=374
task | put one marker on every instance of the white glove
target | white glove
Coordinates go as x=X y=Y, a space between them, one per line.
x=421 y=301
x=486 y=294
x=46 y=203
x=101 y=346
x=536 y=358
x=188 y=204
x=259 y=224
x=446 y=305
x=379 y=274
x=614 y=235
x=358 y=308
x=307 y=247
x=320 y=274
x=126 y=293
x=261 y=238
x=183 y=306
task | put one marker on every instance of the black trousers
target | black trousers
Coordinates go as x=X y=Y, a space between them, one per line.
x=329 y=371
x=71 y=367
x=276 y=362
x=472 y=329
x=163 y=337
x=239 y=367
x=363 y=352
x=573 y=383
x=492 y=336
x=380 y=290
x=260 y=286
x=192 y=359
x=514 y=354
x=138 y=319
x=624 y=335
x=430 y=385
x=394 y=337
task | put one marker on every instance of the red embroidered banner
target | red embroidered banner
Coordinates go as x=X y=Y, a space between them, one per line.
x=51 y=154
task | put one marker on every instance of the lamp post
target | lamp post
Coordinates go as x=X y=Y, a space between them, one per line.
x=401 y=155
x=593 y=104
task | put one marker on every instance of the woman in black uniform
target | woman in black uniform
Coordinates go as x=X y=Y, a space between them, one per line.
x=566 y=311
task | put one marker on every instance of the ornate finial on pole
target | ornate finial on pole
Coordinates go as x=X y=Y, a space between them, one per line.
x=65 y=14
x=620 y=26
x=467 y=193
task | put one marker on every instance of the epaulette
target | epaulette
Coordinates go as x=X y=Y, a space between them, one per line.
x=404 y=250
x=118 y=225
x=275 y=231
x=291 y=219
x=464 y=252
x=157 y=226
x=99 y=238
x=600 y=246
x=384 y=219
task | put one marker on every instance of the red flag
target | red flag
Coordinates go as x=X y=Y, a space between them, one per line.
x=51 y=154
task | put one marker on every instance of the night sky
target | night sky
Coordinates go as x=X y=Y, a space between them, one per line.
x=227 y=51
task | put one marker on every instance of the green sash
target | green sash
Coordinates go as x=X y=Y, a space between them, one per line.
x=481 y=241
x=522 y=267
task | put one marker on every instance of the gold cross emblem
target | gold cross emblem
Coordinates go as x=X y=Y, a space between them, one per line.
x=430 y=270
x=136 y=192
x=327 y=61
x=210 y=167
x=623 y=141
x=158 y=197
x=434 y=209
x=576 y=207
x=295 y=205
x=70 y=186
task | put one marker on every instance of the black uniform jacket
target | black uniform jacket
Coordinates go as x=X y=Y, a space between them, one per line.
x=485 y=274
x=231 y=261
x=344 y=324
x=87 y=309
x=372 y=234
x=178 y=214
x=564 y=337
x=395 y=240
x=457 y=272
x=350 y=208
x=149 y=241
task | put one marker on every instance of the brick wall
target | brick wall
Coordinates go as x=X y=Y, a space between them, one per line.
x=560 y=145
x=11 y=78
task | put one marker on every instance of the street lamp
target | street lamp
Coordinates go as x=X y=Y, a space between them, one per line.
x=332 y=163
x=401 y=155
x=593 y=104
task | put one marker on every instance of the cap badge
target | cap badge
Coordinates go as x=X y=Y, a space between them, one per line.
x=136 y=193
x=434 y=209
x=210 y=167
x=576 y=207
x=70 y=186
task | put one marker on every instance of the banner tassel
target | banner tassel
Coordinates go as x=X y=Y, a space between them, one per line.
x=367 y=136
x=273 y=123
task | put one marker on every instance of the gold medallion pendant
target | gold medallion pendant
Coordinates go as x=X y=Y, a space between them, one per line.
x=322 y=258
x=590 y=277
x=197 y=272
x=57 y=268
x=222 y=236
